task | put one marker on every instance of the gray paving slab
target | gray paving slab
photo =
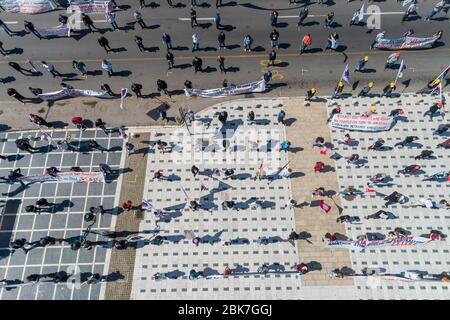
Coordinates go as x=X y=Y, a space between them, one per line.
x=65 y=222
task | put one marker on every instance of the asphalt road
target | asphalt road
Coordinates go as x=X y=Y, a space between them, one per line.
x=294 y=73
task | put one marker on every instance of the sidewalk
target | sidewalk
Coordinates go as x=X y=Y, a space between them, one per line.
x=132 y=189
x=308 y=125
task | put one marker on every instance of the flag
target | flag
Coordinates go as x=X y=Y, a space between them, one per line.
x=400 y=70
x=146 y=205
x=135 y=238
x=442 y=75
x=184 y=191
x=325 y=207
x=123 y=94
x=361 y=13
x=370 y=190
x=436 y=90
x=346 y=75
x=406 y=2
x=33 y=68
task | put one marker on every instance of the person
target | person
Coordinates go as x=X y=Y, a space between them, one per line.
x=64 y=145
x=138 y=17
x=337 y=91
x=197 y=64
x=303 y=14
x=88 y=22
x=251 y=117
x=78 y=122
x=442 y=128
x=139 y=43
x=63 y=19
x=107 y=66
x=223 y=116
x=188 y=84
x=136 y=88
x=378 y=38
x=13 y=93
x=50 y=68
x=39 y=120
x=389 y=89
x=272 y=57
x=229 y=204
x=52 y=171
x=273 y=18
x=142 y=4
x=280 y=117
x=409 y=33
x=18 y=244
x=440 y=176
x=195 y=42
x=353 y=160
x=392 y=60
x=445 y=144
x=5 y=27
x=301 y=268
x=194 y=274
x=365 y=90
x=346 y=140
x=217 y=20
x=248 y=40
x=377 y=145
x=436 y=235
x=130 y=148
x=310 y=94
x=333 y=112
x=94 y=278
x=94 y=145
x=111 y=18
x=127 y=205
x=2 y=50
x=306 y=42
x=436 y=9
x=318 y=192
x=329 y=19
x=195 y=170
x=264 y=268
x=412 y=10
x=408 y=140
x=228 y=271
x=104 y=43
x=361 y=64
x=318 y=142
x=162 y=86
x=218 y=3
x=274 y=36
x=229 y=173
x=221 y=39
x=30 y=28
x=380 y=214
x=284 y=145
x=378 y=179
x=393 y=198
x=354 y=18
x=424 y=154
x=412 y=169
x=194 y=22
x=221 y=61
x=81 y=67
x=267 y=76
x=167 y=41
x=170 y=59
x=434 y=109
x=107 y=88
x=319 y=166
x=24 y=145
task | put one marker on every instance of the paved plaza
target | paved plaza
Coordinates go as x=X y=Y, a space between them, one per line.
x=178 y=255
x=65 y=221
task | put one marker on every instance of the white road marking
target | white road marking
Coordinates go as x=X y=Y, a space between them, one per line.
x=99 y=20
x=11 y=22
x=309 y=16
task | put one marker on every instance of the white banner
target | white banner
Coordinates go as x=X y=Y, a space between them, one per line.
x=359 y=123
x=71 y=176
x=91 y=6
x=28 y=6
x=409 y=241
x=257 y=86
x=59 y=31
x=73 y=93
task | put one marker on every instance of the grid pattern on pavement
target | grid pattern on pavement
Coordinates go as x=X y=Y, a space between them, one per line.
x=433 y=257
x=73 y=199
x=305 y=124
x=178 y=255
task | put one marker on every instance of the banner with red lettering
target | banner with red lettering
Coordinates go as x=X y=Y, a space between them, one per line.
x=360 y=123
x=28 y=6
x=363 y=244
x=71 y=176
x=91 y=6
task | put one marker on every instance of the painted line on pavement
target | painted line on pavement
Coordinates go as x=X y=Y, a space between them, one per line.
x=11 y=22
x=244 y=56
